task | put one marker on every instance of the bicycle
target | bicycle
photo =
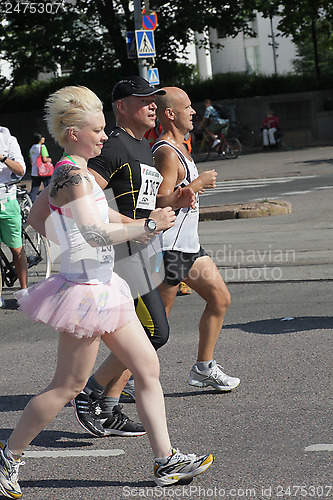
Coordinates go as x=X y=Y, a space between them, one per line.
x=244 y=134
x=228 y=148
x=35 y=246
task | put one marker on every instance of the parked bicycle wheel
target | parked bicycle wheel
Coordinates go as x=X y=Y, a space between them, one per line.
x=201 y=151
x=246 y=137
x=38 y=255
x=232 y=149
x=25 y=203
x=8 y=272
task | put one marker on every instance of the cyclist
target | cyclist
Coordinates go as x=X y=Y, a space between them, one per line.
x=12 y=165
x=212 y=123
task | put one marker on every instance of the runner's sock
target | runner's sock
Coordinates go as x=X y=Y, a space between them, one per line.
x=93 y=386
x=204 y=366
x=109 y=402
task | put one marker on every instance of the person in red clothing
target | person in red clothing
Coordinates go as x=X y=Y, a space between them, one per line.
x=269 y=127
x=153 y=134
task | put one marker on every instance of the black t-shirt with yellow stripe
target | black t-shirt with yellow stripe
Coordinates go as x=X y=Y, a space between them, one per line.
x=119 y=164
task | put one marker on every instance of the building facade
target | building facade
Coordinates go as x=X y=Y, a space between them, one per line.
x=268 y=52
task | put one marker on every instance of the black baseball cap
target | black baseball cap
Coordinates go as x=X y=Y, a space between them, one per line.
x=134 y=85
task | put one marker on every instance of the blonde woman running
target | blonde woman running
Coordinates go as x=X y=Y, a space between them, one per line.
x=86 y=301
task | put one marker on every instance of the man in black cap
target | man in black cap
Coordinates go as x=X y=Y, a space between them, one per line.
x=126 y=168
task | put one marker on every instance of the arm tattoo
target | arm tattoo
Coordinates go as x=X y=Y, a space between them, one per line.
x=67 y=175
x=96 y=236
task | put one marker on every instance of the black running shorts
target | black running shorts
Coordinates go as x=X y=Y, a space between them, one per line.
x=177 y=265
x=133 y=265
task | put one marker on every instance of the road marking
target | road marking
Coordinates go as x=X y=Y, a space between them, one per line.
x=237 y=185
x=319 y=447
x=73 y=453
x=290 y=193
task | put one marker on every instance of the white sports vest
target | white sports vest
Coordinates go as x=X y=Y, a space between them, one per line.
x=183 y=236
x=81 y=262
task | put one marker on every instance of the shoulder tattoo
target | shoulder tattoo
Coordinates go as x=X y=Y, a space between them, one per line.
x=67 y=175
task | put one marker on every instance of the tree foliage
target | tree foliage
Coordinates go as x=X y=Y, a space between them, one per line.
x=90 y=35
x=305 y=62
x=306 y=21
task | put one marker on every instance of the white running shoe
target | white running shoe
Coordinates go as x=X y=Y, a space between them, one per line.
x=9 y=468
x=216 y=143
x=180 y=466
x=215 y=378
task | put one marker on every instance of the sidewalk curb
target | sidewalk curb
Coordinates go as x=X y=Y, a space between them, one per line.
x=245 y=210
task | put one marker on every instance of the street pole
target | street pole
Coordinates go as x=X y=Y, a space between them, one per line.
x=273 y=44
x=143 y=63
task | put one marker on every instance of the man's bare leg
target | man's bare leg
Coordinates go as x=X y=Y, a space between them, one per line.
x=205 y=279
x=21 y=265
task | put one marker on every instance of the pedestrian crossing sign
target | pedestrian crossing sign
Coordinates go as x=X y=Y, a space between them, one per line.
x=131 y=45
x=145 y=43
x=153 y=76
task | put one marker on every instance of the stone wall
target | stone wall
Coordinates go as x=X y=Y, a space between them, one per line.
x=306 y=118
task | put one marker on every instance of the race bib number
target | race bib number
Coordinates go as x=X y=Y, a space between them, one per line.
x=150 y=182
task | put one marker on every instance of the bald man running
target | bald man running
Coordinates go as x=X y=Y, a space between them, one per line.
x=184 y=258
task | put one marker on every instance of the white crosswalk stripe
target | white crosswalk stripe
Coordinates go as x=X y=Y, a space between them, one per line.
x=237 y=185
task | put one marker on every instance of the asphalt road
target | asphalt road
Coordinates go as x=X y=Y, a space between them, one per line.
x=272 y=436
x=270 y=175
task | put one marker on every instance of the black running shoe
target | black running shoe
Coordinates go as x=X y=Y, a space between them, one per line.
x=96 y=418
x=119 y=424
x=87 y=411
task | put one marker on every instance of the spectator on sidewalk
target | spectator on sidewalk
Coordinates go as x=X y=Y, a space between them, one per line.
x=38 y=152
x=12 y=166
x=269 y=127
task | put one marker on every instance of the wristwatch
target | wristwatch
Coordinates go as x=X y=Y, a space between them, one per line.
x=4 y=158
x=150 y=225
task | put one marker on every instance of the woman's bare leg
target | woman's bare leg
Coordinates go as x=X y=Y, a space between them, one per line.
x=76 y=358
x=132 y=347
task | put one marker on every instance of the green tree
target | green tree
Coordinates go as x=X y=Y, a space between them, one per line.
x=304 y=21
x=305 y=62
x=90 y=35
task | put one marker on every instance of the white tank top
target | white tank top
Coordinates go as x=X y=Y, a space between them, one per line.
x=81 y=262
x=183 y=236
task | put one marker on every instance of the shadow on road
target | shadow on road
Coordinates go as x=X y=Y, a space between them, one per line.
x=16 y=402
x=58 y=439
x=314 y=162
x=86 y=483
x=279 y=326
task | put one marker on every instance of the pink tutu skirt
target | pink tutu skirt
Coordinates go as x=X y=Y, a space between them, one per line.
x=80 y=309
